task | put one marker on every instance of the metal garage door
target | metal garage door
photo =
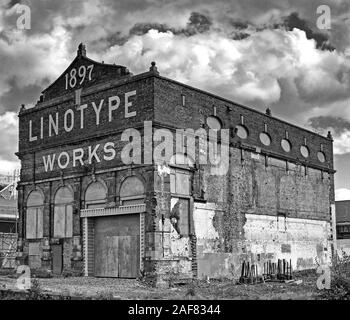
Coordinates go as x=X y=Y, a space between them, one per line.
x=117 y=246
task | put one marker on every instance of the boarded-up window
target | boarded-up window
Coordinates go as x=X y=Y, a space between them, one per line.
x=63 y=213
x=34 y=223
x=95 y=195
x=132 y=191
x=180 y=182
x=34 y=217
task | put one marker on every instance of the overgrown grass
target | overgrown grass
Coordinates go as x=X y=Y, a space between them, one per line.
x=105 y=295
x=340 y=279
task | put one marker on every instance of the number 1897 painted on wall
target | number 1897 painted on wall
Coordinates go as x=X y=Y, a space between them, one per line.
x=73 y=76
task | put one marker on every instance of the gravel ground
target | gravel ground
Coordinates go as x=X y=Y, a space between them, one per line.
x=134 y=289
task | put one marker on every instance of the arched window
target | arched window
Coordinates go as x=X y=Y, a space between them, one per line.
x=132 y=191
x=35 y=209
x=95 y=195
x=63 y=213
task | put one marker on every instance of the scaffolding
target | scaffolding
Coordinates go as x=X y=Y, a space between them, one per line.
x=8 y=239
x=8 y=249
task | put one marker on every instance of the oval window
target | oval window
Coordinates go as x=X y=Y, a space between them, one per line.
x=304 y=151
x=321 y=157
x=286 y=146
x=214 y=123
x=242 y=132
x=265 y=138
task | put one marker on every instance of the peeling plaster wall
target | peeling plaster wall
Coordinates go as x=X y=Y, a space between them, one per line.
x=262 y=209
x=174 y=246
x=262 y=182
x=212 y=260
x=301 y=240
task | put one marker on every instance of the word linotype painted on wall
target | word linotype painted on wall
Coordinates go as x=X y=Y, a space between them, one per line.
x=56 y=123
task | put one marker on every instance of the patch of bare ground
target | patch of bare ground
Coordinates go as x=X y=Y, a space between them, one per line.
x=109 y=288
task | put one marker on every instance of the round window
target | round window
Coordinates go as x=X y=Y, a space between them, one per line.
x=304 y=151
x=321 y=157
x=242 y=132
x=286 y=146
x=265 y=138
x=214 y=123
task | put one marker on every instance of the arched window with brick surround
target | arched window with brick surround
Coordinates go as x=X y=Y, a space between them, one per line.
x=34 y=216
x=132 y=191
x=63 y=213
x=95 y=195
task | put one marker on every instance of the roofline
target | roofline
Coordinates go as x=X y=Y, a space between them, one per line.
x=241 y=105
x=152 y=74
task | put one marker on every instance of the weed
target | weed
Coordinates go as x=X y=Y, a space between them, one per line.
x=35 y=291
x=340 y=279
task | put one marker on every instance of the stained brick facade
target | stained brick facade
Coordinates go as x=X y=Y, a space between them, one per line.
x=252 y=212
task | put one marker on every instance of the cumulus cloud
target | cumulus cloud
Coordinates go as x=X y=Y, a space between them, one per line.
x=322 y=39
x=198 y=23
x=251 y=70
x=340 y=128
x=341 y=143
x=22 y=60
x=338 y=124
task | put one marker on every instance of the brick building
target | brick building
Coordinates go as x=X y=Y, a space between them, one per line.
x=97 y=197
x=342 y=221
x=342 y=209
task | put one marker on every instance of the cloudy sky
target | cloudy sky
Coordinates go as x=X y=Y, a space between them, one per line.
x=256 y=52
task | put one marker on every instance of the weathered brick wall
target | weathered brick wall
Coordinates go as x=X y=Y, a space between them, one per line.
x=225 y=210
x=256 y=186
x=199 y=105
x=76 y=176
x=268 y=184
x=73 y=247
x=243 y=225
x=142 y=103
